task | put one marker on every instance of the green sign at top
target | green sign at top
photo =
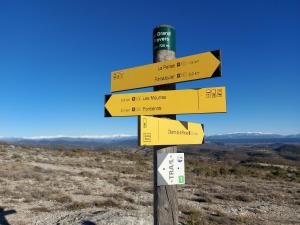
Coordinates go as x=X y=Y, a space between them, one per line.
x=164 y=38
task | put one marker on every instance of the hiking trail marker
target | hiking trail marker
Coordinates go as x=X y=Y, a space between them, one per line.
x=190 y=101
x=164 y=132
x=170 y=169
x=195 y=67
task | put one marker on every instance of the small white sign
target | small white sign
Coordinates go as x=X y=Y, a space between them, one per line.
x=170 y=169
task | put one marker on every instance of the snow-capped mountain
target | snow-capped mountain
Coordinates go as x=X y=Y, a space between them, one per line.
x=245 y=135
x=254 y=137
x=87 y=141
x=63 y=137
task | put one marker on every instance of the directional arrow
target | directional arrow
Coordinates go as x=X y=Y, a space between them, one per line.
x=170 y=169
x=203 y=100
x=194 y=67
x=163 y=131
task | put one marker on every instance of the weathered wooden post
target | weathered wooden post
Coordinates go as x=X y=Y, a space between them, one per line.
x=165 y=207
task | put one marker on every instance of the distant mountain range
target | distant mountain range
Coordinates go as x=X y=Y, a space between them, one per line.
x=125 y=141
x=254 y=137
x=87 y=141
x=87 y=138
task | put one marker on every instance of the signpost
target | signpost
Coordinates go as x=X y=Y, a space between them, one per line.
x=165 y=202
x=164 y=132
x=195 y=67
x=190 y=101
x=170 y=169
x=161 y=131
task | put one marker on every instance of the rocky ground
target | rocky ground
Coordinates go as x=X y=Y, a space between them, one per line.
x=79 y=187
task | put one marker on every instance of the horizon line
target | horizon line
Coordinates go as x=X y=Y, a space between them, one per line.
x=103 y=136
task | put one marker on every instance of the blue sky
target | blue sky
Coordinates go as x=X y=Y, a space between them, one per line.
x=56 y=58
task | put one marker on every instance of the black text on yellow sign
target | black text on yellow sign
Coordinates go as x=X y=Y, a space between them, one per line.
x=194 y=67
x=190 y=101
x=163 y=131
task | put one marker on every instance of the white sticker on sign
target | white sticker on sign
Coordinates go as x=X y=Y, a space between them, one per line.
x=170 y=169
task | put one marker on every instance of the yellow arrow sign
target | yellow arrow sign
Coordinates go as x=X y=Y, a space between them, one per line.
x=162 y=131
x=195 y=67
x=203 y=100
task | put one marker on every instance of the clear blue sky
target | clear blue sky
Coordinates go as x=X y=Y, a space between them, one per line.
x=56 y=58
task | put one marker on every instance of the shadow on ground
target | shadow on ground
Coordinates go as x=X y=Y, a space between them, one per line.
x=88 y=223
x=3 y=214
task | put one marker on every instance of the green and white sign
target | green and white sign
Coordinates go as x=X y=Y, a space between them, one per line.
x=164 y=38
x=170 y=169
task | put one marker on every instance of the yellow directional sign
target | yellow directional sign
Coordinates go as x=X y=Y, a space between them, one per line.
x=194 y=67
x=203 y=100
x=163 y=131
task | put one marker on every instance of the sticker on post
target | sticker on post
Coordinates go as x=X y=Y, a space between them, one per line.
x=170 y=169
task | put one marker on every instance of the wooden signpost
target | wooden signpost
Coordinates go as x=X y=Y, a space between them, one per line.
x=165 y=208
x=164 y=132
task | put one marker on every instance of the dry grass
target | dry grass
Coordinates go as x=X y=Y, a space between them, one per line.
x=107 y=203
x=221 y=169
x=212 y=217
x=227 y=192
